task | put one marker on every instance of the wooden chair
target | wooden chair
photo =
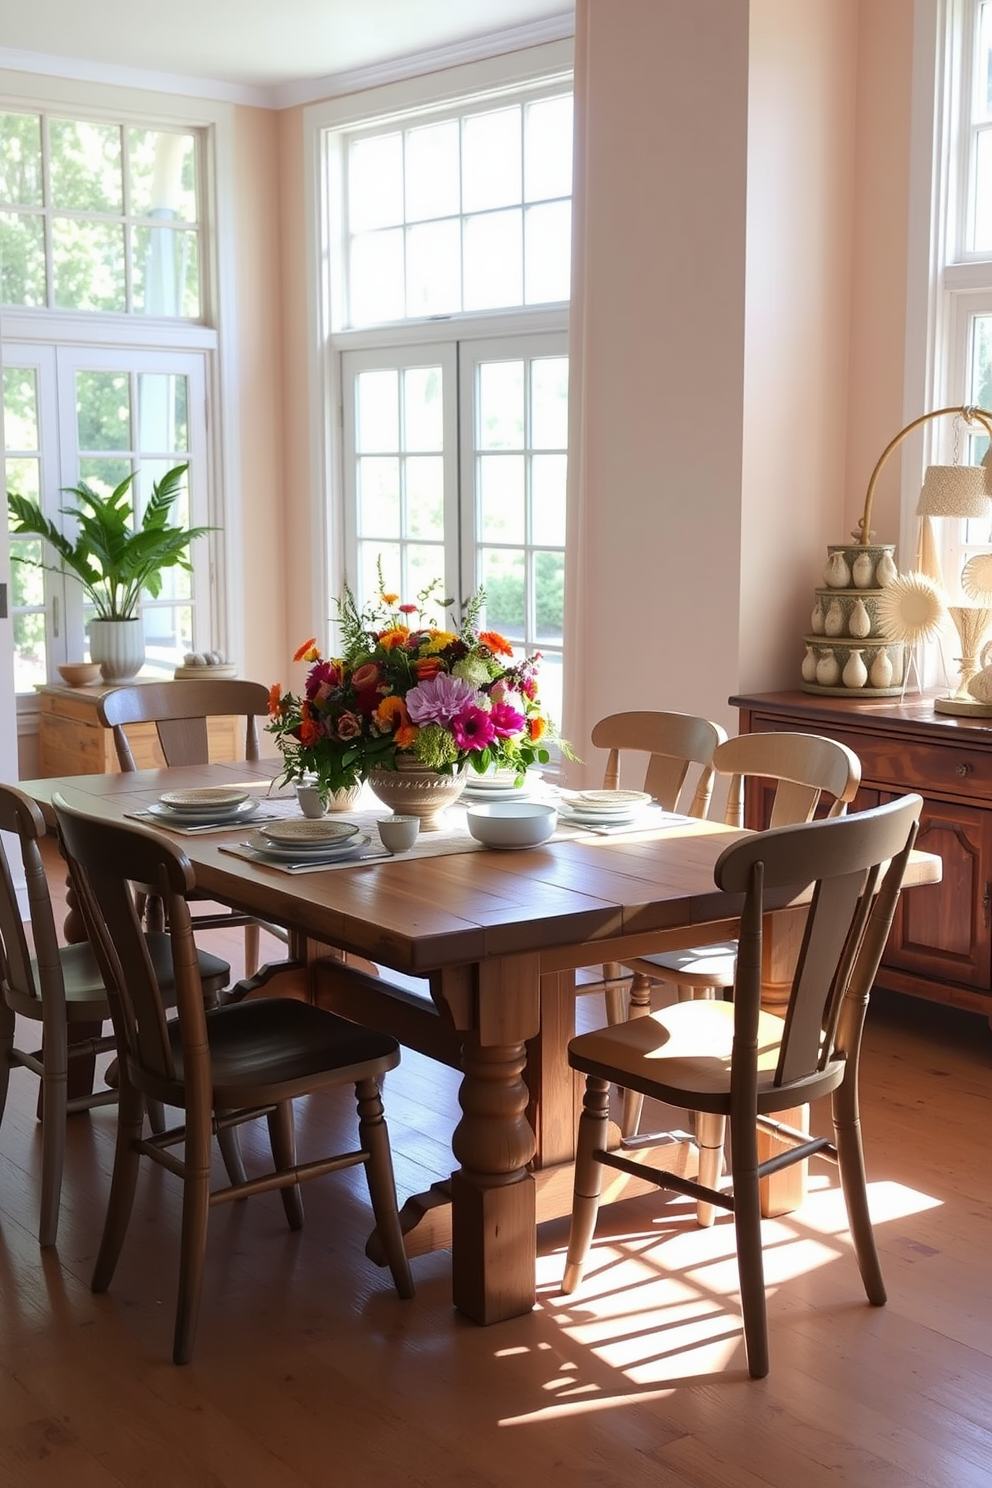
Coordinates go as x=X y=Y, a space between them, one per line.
x=734 y=1060
x=179 y=711
x=804 y=767
x=666 y=746
x=62 y=989
x=220 y=1067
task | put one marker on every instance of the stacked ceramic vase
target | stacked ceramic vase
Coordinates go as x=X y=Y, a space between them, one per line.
x=846 y=651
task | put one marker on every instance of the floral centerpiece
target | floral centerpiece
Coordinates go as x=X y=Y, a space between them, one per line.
x=407 y=690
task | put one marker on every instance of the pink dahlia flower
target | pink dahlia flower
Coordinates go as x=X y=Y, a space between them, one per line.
x=438 y=699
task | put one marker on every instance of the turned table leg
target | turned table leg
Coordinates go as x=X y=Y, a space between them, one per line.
x=494 y=1222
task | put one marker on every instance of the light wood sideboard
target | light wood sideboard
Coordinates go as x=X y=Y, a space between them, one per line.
x=72 y=741
x=941 y=941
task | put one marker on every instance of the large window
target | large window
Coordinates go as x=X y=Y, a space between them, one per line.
x=106 y=354
x=447 y=229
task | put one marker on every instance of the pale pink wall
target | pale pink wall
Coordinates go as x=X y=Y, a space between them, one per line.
x=657 y=347
x=737 y=332
x=876 y=383
x=800 y=208
x=259 y=383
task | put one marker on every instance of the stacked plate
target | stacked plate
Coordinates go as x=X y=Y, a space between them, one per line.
x=599 y=808
x=219 y=805
x=500 y=785
x=306 y=840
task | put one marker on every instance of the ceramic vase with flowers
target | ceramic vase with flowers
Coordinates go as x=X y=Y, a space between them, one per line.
x=411 y=706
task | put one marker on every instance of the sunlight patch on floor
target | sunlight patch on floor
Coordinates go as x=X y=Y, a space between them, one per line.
x=661 y=1301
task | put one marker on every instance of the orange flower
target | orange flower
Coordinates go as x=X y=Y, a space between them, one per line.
x=275 y=698
x=427 y=666
x=308 y=651
x=390 y=599
x=391 y=714
x=395 y=636
x=495 y=643
x=309 y=731
x=537 y=727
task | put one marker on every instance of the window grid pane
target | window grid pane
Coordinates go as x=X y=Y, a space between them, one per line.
x=399 y=480
x=521 y=406
x=114 y=210
x=436 y=222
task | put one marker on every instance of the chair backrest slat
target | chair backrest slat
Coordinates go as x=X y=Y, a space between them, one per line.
x=105 y=859
x=673 y=742
x=21 y=817
x=846 y=928
x=179 y=711
x=804 y=767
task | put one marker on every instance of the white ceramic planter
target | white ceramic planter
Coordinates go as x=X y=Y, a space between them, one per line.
x=119 y=647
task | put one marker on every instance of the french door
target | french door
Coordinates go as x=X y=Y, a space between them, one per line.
x=74 y=412
x=454 y=469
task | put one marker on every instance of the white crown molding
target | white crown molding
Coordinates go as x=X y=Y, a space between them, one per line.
x=302 y=91
x=477 y=49
x=81 y=70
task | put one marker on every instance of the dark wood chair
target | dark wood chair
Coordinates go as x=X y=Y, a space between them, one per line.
x=733 y=1060
x=220 y=1067
x=179 y=711
x=61 y=988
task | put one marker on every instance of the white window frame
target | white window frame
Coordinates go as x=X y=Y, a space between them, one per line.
x=426 y=94
x=216 y=335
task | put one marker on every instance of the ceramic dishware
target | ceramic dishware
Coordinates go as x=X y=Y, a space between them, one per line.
x=511 y=823
x=311 y=802
x=398 y=833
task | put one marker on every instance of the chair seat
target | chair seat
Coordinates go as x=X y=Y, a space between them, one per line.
x=681 y=1055
x=270 y=1049
x=711 y=965
x=85 y=993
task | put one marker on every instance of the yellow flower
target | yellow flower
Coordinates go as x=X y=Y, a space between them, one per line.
x=439 y=641
x=308 y=651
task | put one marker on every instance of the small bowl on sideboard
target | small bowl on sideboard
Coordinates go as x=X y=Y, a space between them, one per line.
x=80 y=673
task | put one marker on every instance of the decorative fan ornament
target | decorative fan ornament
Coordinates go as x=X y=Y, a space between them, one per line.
x=976 y=577
x=910 y=609
x=928 y=558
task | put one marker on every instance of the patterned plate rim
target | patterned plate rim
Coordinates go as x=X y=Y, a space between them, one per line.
x=305 y=832
x=203 y=798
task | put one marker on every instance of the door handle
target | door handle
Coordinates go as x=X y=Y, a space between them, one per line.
x=987 y=904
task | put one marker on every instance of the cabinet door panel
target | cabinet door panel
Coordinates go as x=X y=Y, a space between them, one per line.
x=943 y=930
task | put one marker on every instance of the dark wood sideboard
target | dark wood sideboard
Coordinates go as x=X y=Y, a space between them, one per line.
x=941 y=943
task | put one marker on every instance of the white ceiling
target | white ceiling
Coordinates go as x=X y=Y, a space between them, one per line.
x=265 y=51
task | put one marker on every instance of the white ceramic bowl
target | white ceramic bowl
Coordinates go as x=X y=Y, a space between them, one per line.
x=511 y=823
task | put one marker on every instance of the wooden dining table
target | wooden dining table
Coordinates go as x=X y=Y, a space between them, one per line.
x=497 y=938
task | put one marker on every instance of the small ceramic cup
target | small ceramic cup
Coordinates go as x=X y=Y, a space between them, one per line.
x=399 y=833
x=310 y=800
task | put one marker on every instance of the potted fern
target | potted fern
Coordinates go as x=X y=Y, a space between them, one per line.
x=113 y=558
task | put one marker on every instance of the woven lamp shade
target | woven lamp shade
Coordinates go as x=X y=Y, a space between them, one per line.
x=955 y=491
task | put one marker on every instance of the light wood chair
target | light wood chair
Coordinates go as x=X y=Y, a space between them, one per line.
x=734 y=1060
x=666 y=746
x=62 y=989
x=804 y=768
x=179 y=711
x=220 y=1067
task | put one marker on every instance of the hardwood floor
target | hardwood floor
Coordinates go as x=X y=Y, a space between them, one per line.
x=309 y=1370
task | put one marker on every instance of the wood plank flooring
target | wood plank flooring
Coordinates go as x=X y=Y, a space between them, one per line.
x=310 y=1372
